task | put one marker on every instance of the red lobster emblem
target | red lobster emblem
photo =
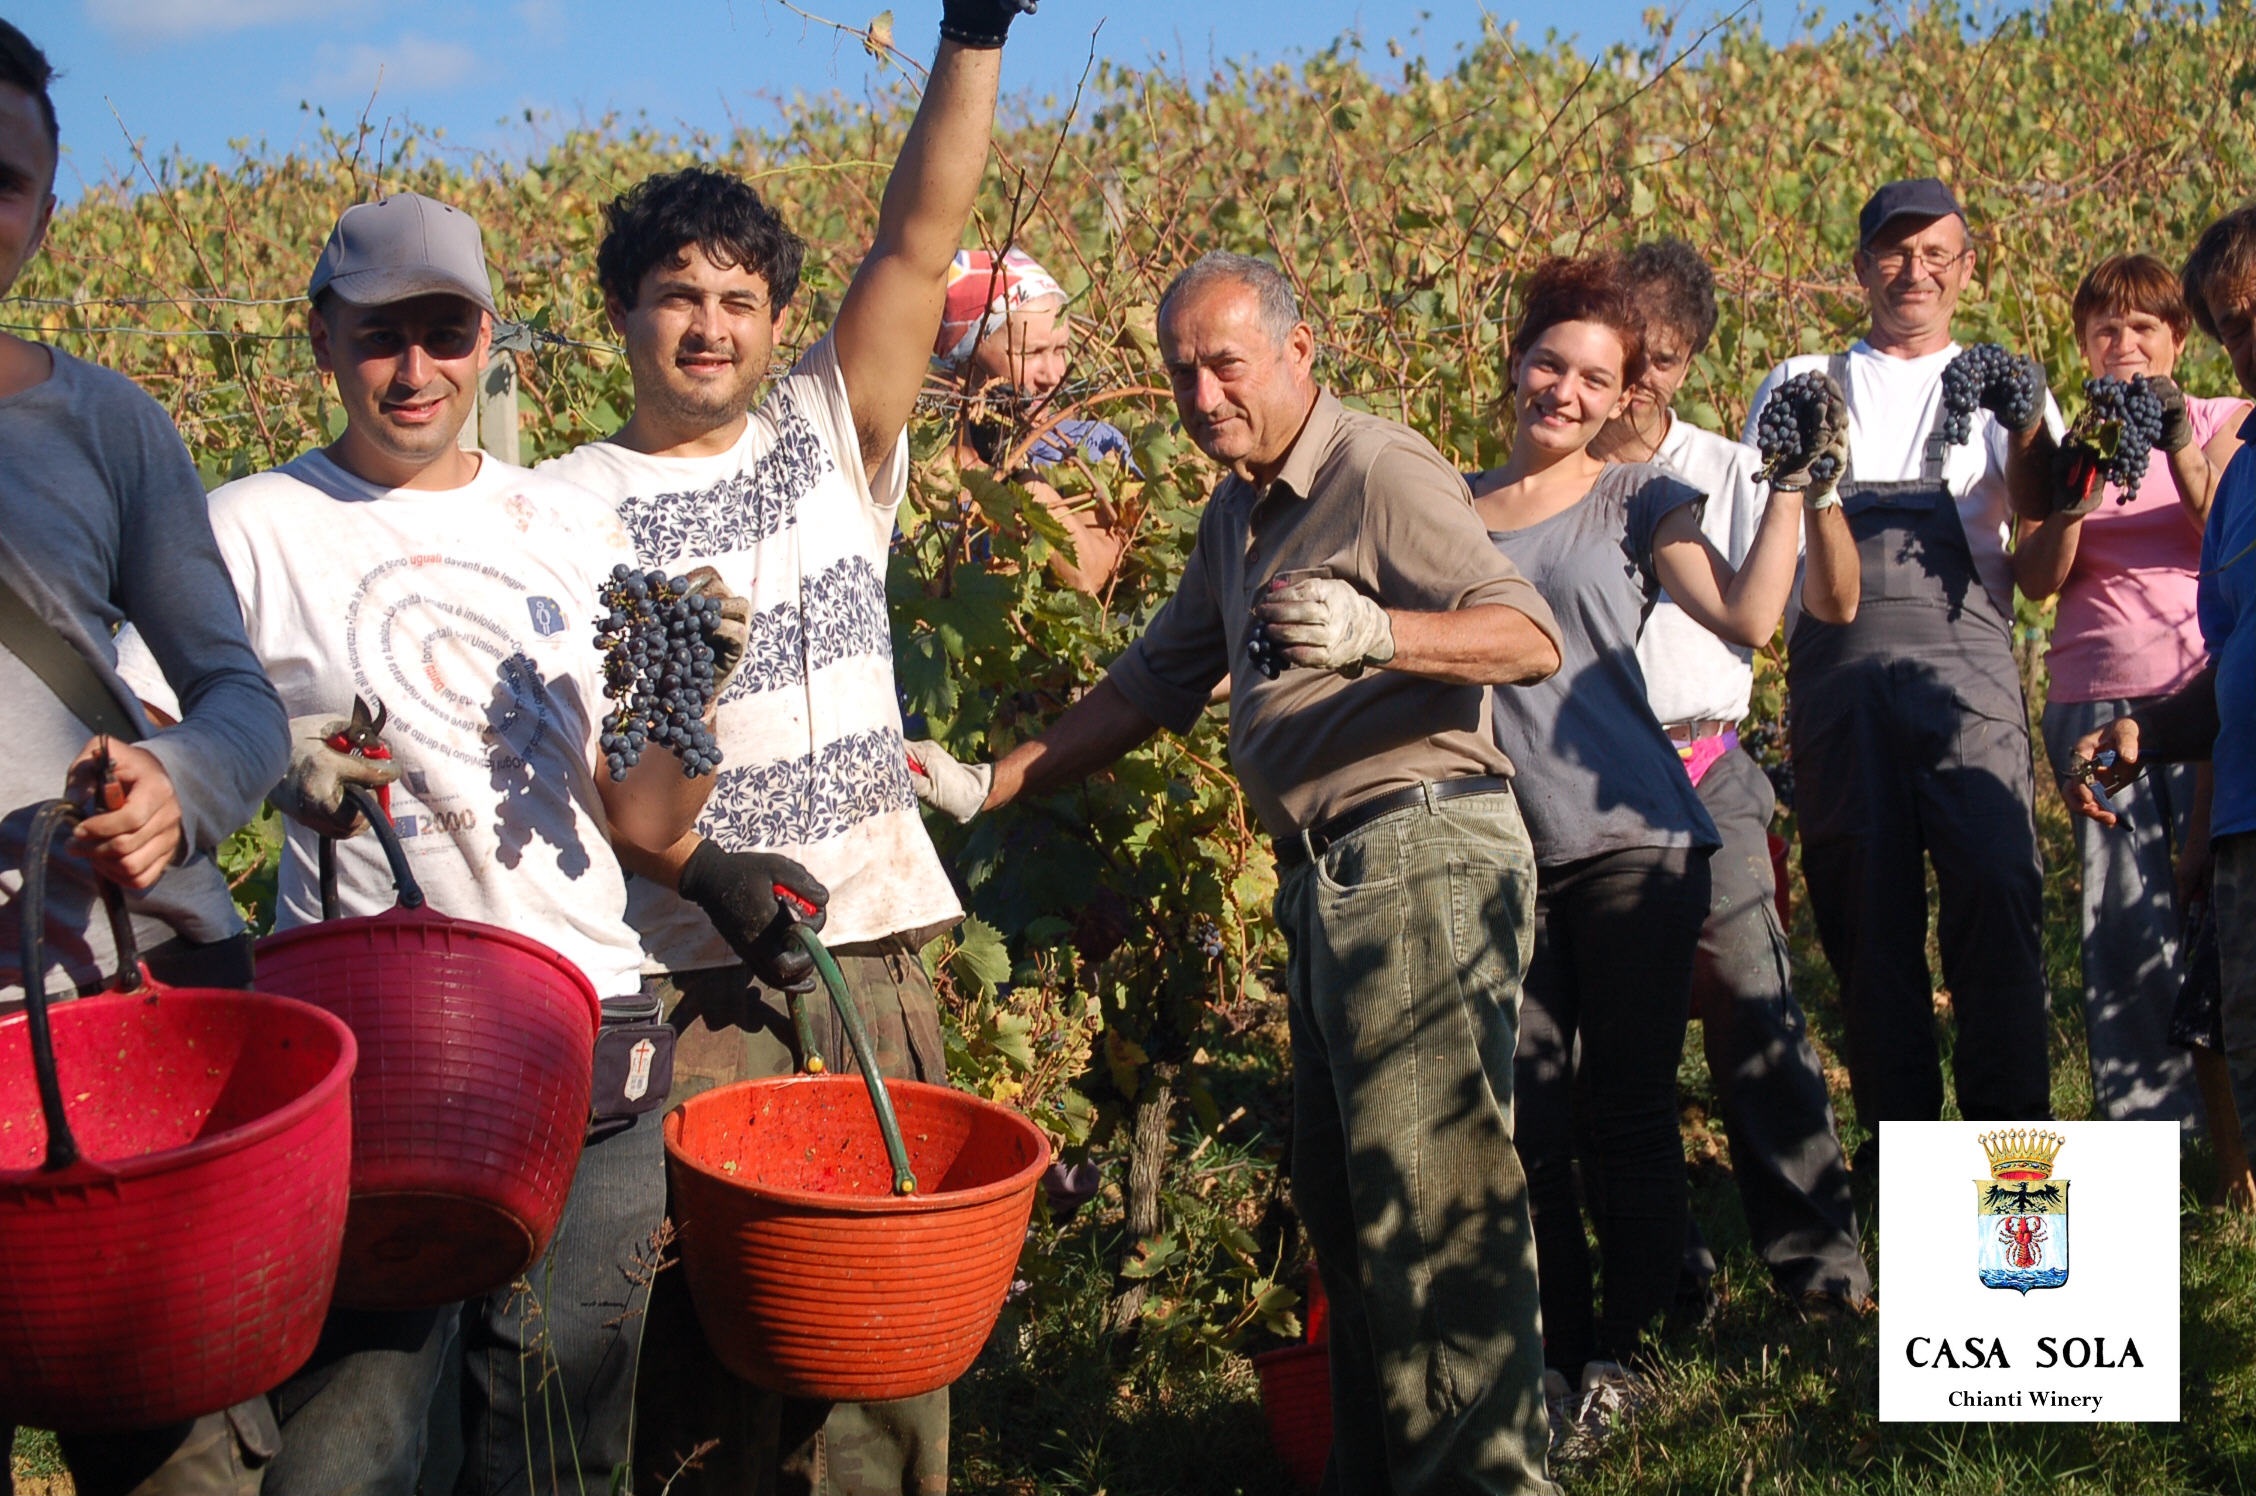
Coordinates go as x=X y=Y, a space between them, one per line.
x=2022 y=1236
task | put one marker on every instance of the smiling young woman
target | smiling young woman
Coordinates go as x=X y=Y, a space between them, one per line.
x=1621 y=837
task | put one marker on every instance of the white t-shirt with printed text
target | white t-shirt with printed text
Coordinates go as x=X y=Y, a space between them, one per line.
x=1690 y=674
x=814 y=762
x=469 y=614
x=1892 y=406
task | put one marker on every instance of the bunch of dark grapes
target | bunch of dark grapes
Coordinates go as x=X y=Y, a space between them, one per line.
x=2136 y=411
x=1790 y=427
x=1207 y=935
x=1765 y=741
x=657 y=648
x=1266 y=654
x=1985 y=375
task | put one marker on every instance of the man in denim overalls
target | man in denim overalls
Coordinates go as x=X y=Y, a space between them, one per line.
x=1909 y=732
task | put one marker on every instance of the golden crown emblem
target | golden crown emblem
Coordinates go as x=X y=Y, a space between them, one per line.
x=2022 y=1150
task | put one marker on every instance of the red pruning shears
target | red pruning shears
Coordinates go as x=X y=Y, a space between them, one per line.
x=363 y=737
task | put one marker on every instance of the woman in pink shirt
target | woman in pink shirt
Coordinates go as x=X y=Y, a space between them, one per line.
x=2124 y=568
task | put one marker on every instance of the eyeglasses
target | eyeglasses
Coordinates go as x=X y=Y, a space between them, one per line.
x=1933 y=261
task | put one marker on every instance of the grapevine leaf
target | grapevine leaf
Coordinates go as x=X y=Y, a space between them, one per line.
x=981 y=955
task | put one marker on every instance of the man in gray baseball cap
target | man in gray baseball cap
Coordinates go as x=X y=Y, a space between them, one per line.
x=461 y=592
x=406 y=272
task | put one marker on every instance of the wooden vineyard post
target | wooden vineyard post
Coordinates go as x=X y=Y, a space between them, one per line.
x=497 y=407
x=495 y=427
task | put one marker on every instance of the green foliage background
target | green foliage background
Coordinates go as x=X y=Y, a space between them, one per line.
x=1407 y=203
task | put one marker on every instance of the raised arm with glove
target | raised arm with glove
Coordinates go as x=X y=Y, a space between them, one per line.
x=2177 y=421
x=981 y=24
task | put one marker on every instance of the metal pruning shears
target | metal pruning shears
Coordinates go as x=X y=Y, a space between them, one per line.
x=363 y=737
x=2089 y=770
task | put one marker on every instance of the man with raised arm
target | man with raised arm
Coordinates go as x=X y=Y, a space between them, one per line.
x=789 y=490
x=102 y=520
x=459 y=597
x=1910 y=739
x=1343 y=584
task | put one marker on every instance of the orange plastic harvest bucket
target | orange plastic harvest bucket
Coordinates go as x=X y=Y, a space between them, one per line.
x=813 y=1278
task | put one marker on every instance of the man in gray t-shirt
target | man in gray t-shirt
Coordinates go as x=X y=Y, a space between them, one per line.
x=102 y=522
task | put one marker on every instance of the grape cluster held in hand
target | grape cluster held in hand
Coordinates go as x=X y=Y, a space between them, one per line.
x=1987 y=377
x=2135 y=411
x=1792 y=426
x=1266 y=653
x=657 y=648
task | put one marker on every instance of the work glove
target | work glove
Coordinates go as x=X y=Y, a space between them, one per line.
x=2018 y=400
x=980 y=23
x=737 y=891
x=731 y=634
x=2079 y=480
x=1817 y=476
x=2177 y=421
x=1322 y=623
x=945 y=784
x=313 y=792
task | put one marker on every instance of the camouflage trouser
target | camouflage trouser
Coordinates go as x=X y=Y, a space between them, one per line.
x=730 y=1030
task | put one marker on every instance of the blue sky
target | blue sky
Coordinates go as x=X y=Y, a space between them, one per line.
x=198 y=75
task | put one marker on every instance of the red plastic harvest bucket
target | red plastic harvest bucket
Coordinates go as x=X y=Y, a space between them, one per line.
x=182 y=1260
x=1296 y=1403
x=477 y=1053
x=1296 y=1394
x=809 y=1275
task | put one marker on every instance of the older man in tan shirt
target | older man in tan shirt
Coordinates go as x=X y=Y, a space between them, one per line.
x=1344 y=585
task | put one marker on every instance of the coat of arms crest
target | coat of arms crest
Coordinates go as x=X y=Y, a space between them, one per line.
x=2021 y=1212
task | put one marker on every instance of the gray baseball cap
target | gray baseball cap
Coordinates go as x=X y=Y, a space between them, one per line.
x=406 y=245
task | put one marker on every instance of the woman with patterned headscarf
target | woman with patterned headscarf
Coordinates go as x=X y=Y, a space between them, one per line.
x=1005 y=342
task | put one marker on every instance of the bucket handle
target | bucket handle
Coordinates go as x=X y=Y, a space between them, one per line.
x=364 y=800
x=865 y=1052
x=31 y=909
